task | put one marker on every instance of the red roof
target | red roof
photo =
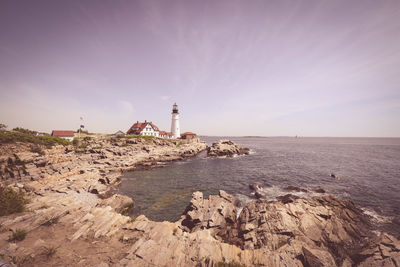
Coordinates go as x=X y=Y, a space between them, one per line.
x=63 y=133
x=165 y=133
x=140 y=126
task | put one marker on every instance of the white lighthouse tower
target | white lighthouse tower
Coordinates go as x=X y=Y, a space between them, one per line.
x=176 y=131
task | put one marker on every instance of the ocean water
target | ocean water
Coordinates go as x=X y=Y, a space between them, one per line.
x=368 y=171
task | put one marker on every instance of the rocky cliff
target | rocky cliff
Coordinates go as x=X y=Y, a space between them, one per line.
x=317 y=231
x=71 y=192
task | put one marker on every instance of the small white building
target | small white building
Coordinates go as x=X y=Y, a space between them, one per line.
x=69 y=135
x=164 y=134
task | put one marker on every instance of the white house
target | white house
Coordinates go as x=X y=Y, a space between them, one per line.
x=144 y=128
x=164 y=134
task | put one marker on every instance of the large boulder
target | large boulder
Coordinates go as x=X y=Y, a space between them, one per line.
x=226 y=148
x=120 y=203
x=218 y=213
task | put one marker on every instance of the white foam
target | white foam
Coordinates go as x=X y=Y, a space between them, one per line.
x=376 y=217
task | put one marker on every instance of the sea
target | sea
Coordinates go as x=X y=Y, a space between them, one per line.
x=366 y=170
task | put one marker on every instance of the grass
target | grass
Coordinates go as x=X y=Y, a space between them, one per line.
x=82 y=144
x=49 y=251
x=9 y=137
x=145 y=137
x=229 y=264
x=18 y=235
x=37 y=149
x=50 y=221
x=11 y=201
x=180 y=143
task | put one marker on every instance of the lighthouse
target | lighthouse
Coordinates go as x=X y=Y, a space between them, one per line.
x=176 y=131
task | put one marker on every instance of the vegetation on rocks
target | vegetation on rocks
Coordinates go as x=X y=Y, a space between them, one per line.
x=37 y=149
x=11 y=201
x=27 y=136
x=145 y=137
x=17 y=235
x=49 y=251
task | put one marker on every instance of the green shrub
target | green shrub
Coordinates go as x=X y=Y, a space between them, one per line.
x=229 y=264
x=145 y=137
x=25 y=137
x=23 y=130
x=11 y=201
x=37 y=149
x=49 y=251
x=18 y=235
x=75 y=141
x=180 y=143
x=50 y=221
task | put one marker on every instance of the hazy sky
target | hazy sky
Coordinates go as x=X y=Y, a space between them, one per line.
x=272 y=67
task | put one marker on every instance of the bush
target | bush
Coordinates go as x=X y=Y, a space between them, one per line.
x=37 y=149
x=11 y=201
x=49 y=251
x=18 y=235
x=25 y=131
x=25 y=137
x=180 y=143
x=75 y=141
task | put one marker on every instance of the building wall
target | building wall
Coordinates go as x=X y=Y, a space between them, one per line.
x=70 y=138
x=149 y=131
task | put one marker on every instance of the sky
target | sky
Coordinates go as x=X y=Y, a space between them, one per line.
x=234 y=67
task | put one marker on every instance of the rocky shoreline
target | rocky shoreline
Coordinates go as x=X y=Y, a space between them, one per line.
x=74 y=217
x=72 y=189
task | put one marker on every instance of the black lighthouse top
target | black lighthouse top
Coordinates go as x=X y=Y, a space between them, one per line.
x=175 y=108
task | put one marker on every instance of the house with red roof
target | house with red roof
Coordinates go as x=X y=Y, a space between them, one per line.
x=66 y=134
x=164 y=134
x=188 y=135
x=144 y=128
x=147 y=128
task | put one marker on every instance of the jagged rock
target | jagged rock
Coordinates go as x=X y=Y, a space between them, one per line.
x=119 y=203
x=217 y=213
x=226 y=148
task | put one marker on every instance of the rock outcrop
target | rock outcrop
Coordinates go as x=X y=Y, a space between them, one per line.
x=317 y=231
x=72 y=196
x=226 y=148
x=75 y=214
